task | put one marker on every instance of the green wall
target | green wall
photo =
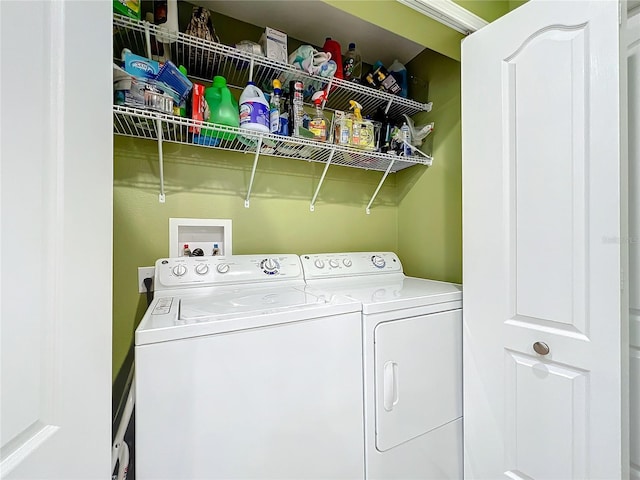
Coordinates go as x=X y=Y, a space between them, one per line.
x=417 y=213
x=398 y=18
x=430 y=201
x=206 y=183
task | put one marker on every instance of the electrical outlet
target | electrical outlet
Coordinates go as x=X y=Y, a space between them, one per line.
x=145 y=272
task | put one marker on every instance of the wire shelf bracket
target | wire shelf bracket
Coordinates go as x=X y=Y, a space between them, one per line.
x=375 y=194
x=253 y=172
x=312 y=206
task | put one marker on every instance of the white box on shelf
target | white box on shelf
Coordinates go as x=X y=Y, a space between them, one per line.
x=212 y=235
x=274 y=45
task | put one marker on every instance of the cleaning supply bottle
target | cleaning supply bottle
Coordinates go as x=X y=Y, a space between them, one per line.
x=283 y=128
x=223 y=108
x=405 y=135
x=399 y=72
x=182 y=109
x=274 y=107
x=186 y=251
x=334 y=49
x=352 y=64
x=356 y=123
x=296 y=107
x=318 y=124
x=254 y=109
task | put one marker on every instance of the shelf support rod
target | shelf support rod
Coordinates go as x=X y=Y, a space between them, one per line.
x=147 y=38
x=253 y=171
x=386 y=110
x=251 y=71
x=384 y=177
x=161 y=197
x=312 y=207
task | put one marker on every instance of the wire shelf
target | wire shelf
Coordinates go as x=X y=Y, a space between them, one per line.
x=204 y=60
x=133 y=122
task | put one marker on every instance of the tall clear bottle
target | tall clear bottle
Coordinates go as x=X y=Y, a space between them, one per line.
x=352 y=64
x=274 y=107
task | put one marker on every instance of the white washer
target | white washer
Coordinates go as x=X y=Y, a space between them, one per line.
x=242 y=373
x=412 y=362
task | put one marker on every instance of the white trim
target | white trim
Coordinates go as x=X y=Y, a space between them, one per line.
x=25 y=444
x=448 y=13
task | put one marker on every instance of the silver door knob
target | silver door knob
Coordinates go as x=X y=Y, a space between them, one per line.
x=541 y=348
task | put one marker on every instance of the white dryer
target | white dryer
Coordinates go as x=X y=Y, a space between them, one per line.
x=242 y=373
x=412 y=363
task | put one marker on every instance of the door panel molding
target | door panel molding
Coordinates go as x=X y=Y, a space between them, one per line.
x=547 y=240
x=555 y=396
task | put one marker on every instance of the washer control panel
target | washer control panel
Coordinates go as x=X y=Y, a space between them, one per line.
x=331 y=265
x=215 y=270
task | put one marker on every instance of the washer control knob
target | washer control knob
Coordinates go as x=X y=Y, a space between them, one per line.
x=334 y=263
x=347 y=263
x=319 y=263
x=222 y=267
x=270 y=266
x=179 y=270
x=202 y=269
x=378 y=261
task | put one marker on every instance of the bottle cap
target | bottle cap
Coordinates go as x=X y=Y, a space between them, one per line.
x=183 y=70
x=352 y=46
x=219 y=81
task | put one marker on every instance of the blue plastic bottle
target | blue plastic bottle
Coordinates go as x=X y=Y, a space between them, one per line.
x=399 y=72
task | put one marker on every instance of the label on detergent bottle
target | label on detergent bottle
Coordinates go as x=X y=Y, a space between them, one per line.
x=319 y=129
x=254 y=112
x=274 y=116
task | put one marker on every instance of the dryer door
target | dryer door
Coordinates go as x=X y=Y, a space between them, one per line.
x=418 y=375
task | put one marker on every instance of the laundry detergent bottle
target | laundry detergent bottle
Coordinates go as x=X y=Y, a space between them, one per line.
x=254 y=109
x=223 y=108
x=335 y=50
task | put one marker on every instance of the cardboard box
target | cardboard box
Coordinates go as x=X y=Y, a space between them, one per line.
x=199 y=106
x=274 y=45
x=130 y=8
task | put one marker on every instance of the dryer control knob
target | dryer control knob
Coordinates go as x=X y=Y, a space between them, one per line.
x=334 y=263
x=319 y=263
x=179 y=270
x=347 y=263
x=202 y=269
x=223 y=268
x=378 y=261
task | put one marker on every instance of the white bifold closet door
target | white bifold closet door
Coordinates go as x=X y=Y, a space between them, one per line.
x=545 y=246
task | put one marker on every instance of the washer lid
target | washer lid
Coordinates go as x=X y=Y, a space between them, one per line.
x=245 y=301
x=392 y=292
x=232 y=309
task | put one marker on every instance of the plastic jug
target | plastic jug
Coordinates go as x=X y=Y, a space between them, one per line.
x=223 y=108
x=399 y=72
x=254 y=109
x=334 y=49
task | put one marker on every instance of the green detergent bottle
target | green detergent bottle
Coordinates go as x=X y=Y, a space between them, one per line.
x=223 y=109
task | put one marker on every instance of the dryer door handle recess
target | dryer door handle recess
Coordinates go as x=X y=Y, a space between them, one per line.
x=391 y=395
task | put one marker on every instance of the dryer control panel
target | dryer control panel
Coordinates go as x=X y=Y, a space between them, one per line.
x=335 y=265
x=234 y=269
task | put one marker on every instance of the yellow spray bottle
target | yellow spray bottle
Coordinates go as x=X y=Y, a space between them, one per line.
x=356 y=123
